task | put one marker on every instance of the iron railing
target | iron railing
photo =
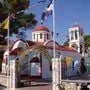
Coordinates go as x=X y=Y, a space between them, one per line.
x=74 y=73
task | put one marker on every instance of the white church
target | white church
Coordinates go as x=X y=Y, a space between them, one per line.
x=36 y=67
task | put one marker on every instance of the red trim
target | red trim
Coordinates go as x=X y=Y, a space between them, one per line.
x=28 y=43
x=15 y=51
x=51 y=41
x=19 y=40
x=36 y=60
x=62 y=48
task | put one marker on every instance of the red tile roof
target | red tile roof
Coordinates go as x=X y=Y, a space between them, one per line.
x=30 y=43
x=62 y=48
x=41 y=28
x=15 y=51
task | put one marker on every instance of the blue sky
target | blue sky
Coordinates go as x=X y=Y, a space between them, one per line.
x=67 y=12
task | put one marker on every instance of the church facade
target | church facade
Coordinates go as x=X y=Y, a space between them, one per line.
x=40 y=67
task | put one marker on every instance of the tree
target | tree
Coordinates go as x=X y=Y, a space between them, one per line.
x=21 y=35
x=66 y=43
x=87 y=42
x=18 y=19
x=38 y=49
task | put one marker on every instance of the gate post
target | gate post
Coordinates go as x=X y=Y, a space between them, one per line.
x=13 y=74
x=55 y=74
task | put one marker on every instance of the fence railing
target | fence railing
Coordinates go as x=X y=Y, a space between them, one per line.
x=74 y=73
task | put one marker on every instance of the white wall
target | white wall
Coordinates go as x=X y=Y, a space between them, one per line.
x=37 y=36
x=46 y=73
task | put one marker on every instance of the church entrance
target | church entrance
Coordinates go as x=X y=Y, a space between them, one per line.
x=35 y=67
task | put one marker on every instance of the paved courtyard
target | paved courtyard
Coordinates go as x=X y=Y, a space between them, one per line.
x=37 y=85
x=33 y=87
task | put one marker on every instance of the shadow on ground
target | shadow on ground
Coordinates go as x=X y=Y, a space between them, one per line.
x=2 y=87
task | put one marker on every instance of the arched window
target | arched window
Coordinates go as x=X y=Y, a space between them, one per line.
x=71 y=35
x=81 y=32
x=34 y=36
x=76 y=37
x=47 y=36
x=40 y=35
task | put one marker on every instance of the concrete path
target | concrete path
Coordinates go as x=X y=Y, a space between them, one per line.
x=41 y=87
x=36 y=85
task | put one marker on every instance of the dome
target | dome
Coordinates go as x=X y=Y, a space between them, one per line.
x=41 y=28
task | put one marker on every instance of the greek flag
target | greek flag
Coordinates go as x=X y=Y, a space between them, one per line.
x=47 y=12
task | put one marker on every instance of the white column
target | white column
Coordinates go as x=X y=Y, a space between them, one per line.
x=13 y=77
x=56 y=73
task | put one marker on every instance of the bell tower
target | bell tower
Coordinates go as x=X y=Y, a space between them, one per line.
x=76 y=38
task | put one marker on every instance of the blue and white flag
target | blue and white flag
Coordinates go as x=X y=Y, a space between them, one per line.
x=47 y=12
x=44 y=16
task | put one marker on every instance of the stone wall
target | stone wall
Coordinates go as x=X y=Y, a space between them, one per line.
x=71 y=86
x=3 y=80
x=12 y=79
x=68 y=86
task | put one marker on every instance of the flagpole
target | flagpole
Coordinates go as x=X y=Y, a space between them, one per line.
x=53 y=29
x=8 y=63
x=53 y=16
